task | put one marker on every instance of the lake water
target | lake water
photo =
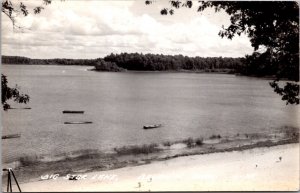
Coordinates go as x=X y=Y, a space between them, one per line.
x=119 y=104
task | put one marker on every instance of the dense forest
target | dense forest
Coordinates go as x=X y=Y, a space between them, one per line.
x=139 y=62
x=159 y=62
x=56 y=61
x=250 y=65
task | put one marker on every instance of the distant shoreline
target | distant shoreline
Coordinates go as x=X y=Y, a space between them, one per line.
x=140 y=62
x=208 y=71
x=159 y=62
x=27 y=64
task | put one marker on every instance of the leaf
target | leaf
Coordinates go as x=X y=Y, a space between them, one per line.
x=47 y=2
x=175 y=4
x=164 y=11
x=37 y=10
x=23 y=9
x=148 y=2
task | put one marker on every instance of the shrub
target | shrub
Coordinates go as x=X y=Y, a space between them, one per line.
x=215 y=137
x=144 y=149
x=28 y=160
x=102 y=65
x=199 y=141
x=189 y=142
x=167 y=143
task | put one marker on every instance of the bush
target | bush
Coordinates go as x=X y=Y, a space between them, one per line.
x=144 y=149
x=199 y=141
x=215 y=137
x=167 y=143
x=28 y=160
x=189 y=142
x=102 y=65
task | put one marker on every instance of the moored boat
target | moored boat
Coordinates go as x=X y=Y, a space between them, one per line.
x=11 y=136
x=20 y=108
x=67 y=111
x=78 y=122
x=152 y=126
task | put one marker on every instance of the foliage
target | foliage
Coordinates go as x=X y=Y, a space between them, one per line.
x=56 y=61
x=289 y=93
x=190 y=142
x=255 y=65
x=145 y=62
x=12 y=9
x=199 y=141
x=135 y=149
x=102 y=65
x=167 y=143
x=215 y=137
x=11 y=93
x=270 y=25
x=159 y=62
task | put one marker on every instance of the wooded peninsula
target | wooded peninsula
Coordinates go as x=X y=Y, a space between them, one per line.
x=156 y=62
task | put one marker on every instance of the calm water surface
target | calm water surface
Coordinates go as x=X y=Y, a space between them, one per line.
x=119 y=104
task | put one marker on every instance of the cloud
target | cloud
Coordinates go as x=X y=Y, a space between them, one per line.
x=92 y=29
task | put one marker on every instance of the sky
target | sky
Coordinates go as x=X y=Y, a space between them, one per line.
x=93 y=29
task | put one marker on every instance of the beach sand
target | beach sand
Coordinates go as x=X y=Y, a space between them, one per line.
x=258 y=169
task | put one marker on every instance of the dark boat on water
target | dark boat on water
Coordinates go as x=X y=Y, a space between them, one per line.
x=78 y=112
x=20 y=108
x=11 y=136
x=152 y=126
x=79 y=122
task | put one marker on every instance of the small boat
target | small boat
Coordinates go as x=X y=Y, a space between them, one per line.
x=152 y=126
x=11 y=136
x=20 y=108
x=79 y=112
x=79 y=122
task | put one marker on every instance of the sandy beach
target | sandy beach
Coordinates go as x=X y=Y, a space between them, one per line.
x=259 y=169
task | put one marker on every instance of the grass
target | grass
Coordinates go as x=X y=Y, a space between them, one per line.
x=32 y=166
x=190 y=142
x=133 y=150
x=215 y=137
x=28 y=160
x=199 y=141
x=167 y=143
x=290 y=131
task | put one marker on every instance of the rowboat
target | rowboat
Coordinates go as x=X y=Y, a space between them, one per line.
x=79 y=122
x=79 y=112
x=152 y=126
x=11 y=136
x=20 y=108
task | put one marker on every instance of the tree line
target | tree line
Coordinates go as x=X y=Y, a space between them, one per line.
x=271 y=25
x=251 y=65
x=159 y=62
x=140 y=62
x=56 y=61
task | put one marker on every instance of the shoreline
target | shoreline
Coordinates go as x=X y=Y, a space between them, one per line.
x=32 y=168
x=212 y=71
x=273 y=168
x=202 y=71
